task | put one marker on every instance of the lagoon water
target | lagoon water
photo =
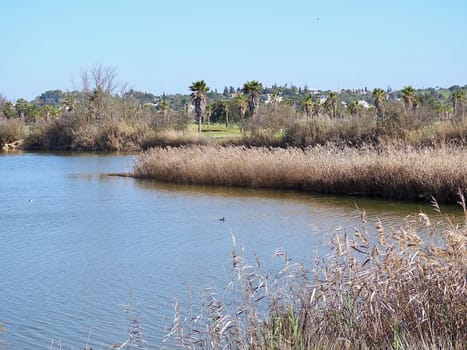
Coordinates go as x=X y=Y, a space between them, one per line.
x=75 y=244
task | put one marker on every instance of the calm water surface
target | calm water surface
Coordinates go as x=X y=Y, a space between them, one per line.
x=74 y=243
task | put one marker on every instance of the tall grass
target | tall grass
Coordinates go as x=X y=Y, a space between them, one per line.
x=177 y=138
x=397 y=129
x=10 y=130
x=391 y=290
x=401 y=173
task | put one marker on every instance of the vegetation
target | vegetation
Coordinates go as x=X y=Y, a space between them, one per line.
x=11 y=130
x=198 y=97
x=253 y=90
x=388 y=290
x=103 y=115
x=396 y=291
x=399 y=173
x=379 y=96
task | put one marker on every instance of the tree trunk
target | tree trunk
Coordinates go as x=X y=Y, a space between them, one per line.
x=200 y=120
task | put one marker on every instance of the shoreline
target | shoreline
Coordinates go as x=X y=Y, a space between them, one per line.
x=403 y=177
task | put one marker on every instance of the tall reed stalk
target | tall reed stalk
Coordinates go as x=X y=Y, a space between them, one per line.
x=400 y=173
x=390 y=290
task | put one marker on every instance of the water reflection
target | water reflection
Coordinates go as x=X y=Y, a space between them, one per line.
x=350 y=205
x=69 y=257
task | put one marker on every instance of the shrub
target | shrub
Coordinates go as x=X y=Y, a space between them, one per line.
x=10 y=130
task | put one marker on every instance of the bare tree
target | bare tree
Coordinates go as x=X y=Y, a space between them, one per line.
x=3 y=100
x=97 y=85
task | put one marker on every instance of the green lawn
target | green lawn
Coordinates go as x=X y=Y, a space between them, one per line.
x=218 y=130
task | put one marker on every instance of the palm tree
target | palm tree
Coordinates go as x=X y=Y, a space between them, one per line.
x=55 y=112
x=331 y=104
x=352 y=107
x=253 y=89
x=242 y=104
x=225 y=107
x=164 y=106
x=275 y=99
x=316 y=109
x=442 y=110
x=209 y=111
x=307 y=105
x=379 y=95
x=22 y=107
x=408 y=95
x=457 y=99
x=198 y=98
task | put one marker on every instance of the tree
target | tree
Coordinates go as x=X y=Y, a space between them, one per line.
x=379 y=95
x=352 y=107
x=98 y=84
x=316 y=109
x=9 y=110
x=253 y=89
x=242 y=104
x=226 y=109
x=50 y=97
x=198 y=97
x=331 y=104
x=69 y=101
x=209 y=111
x=409 y=98
x=457 y=99
x=307 y=105
x=22 y=107
x=275 y=99
x=47 y=110
x=164 y=106
x=3 y=100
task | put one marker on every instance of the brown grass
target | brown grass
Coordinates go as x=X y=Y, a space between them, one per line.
x=397 y=129
x=177 y=138
x=11 y=130
x=388 y=290
x=401 y=173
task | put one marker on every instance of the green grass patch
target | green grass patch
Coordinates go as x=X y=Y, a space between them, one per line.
x=218 y=130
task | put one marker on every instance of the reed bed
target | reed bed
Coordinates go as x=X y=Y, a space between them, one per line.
x=387 y=290
x=398 y=173
x=176 y=138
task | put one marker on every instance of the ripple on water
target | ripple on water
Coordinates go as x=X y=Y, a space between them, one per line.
x=70 y=257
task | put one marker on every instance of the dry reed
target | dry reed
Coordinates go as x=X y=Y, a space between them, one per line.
x=401 y=173
x=11 y=130
x=382 y=291
x=176 y=138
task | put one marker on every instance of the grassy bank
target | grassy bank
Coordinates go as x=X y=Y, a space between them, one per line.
x=392 y=290
x=398 y=173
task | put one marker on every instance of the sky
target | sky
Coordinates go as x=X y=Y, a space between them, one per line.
x=163 y=46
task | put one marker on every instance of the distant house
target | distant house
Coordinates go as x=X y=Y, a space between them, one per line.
x=364 y=104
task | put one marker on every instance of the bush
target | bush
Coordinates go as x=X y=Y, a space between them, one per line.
x=322 y=130
x=10 y=130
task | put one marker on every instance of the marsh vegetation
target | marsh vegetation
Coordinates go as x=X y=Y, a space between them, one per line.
x=398 y=173
x=102 y=114
x=392 y=291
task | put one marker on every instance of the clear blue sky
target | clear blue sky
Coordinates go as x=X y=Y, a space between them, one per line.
x=162 y=46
